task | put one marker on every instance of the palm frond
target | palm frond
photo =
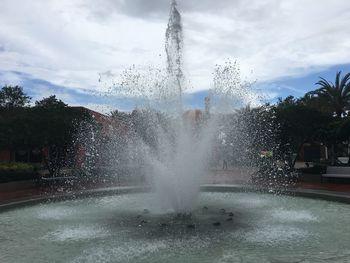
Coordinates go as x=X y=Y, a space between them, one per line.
x=325 y=83
x=346 y=91
x=345 y=83
x=337 y=80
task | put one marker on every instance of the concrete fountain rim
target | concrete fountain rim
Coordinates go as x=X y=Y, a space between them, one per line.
x=339 y=197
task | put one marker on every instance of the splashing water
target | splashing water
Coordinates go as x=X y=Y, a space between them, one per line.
x=174 y=146
x=174 y=51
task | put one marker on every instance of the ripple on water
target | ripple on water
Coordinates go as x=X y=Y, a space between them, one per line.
x=141 y=250
x=78 y=233
x=294 y=215
x=273 y=235
x=121 y=253
x=232 y=256
x=56 y=212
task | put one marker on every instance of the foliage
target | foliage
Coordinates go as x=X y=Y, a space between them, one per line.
x=54 y=126
x=14 y=166
x=318 y=116
x=299 y=123
x=12 y=171
x=51 y=124
x=147 y=125
x=50 y=102
x=335 y=96
x=13 y=97
x=90 y=140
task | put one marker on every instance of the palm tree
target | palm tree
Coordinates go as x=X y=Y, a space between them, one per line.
x=337 y=95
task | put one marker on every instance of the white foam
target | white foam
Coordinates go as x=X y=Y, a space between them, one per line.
x=123 y=253
x=56 y=212
x=294 y=215
x=76 y=233
x=272 y=235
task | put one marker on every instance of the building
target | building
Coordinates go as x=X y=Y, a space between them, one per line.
x=36 y=155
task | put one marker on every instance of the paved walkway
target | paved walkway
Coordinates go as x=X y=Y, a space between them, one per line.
x=218 y=176
x=39 y=192
x=345 y=188
x=16 y=195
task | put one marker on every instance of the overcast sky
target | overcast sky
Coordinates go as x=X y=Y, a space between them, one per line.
x=68 y=43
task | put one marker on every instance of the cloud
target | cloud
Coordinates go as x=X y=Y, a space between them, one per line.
x=157 y=9
x=74 y=43
x=38 y=89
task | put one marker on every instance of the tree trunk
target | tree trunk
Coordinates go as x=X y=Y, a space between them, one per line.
x=55 y=160
x=339 y=114
x=333 y=154
x=28 y=155
x=12 y=155
x=297 y=155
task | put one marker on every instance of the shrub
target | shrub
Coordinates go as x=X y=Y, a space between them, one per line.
x=13 y=166
x=12 y=171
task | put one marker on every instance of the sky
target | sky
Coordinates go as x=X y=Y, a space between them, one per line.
x=77 y=48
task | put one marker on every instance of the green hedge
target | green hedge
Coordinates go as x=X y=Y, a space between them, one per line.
x=13 y=166
x=12 y=171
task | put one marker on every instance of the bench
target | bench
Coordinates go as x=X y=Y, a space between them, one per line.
x=336 y=172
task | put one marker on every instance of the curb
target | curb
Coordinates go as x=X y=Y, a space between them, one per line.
x=298 y=192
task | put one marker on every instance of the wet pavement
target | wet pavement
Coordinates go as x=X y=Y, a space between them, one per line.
x=229 y=177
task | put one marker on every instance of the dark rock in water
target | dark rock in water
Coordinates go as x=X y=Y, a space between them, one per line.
x=139 y=216
x=229 y=219
x=205 y=208
x=163 y=224
x=191 y=226
x=231 y=214
x=217 y=224
x=223 y=211
x=146 y=211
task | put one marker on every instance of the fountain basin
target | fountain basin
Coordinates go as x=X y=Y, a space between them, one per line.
x=113 y=228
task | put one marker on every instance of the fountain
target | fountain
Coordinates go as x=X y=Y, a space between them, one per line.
x=174 y=51
x=177 y=154
x=176 y=222
x=175 y=144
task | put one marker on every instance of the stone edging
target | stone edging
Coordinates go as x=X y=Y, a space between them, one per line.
x=308 y=193
x=300 y=192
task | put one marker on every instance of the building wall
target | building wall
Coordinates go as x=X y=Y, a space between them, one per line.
x=109 y=127
x=5 y=156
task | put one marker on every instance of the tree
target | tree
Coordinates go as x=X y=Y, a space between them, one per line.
x=336 y=96
x=120 y=116
x=54 y=126
x=50 y=103
x=336 y=135
x=50 y=125
x=15 y=129
x=13 y=97
x=299 y=123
